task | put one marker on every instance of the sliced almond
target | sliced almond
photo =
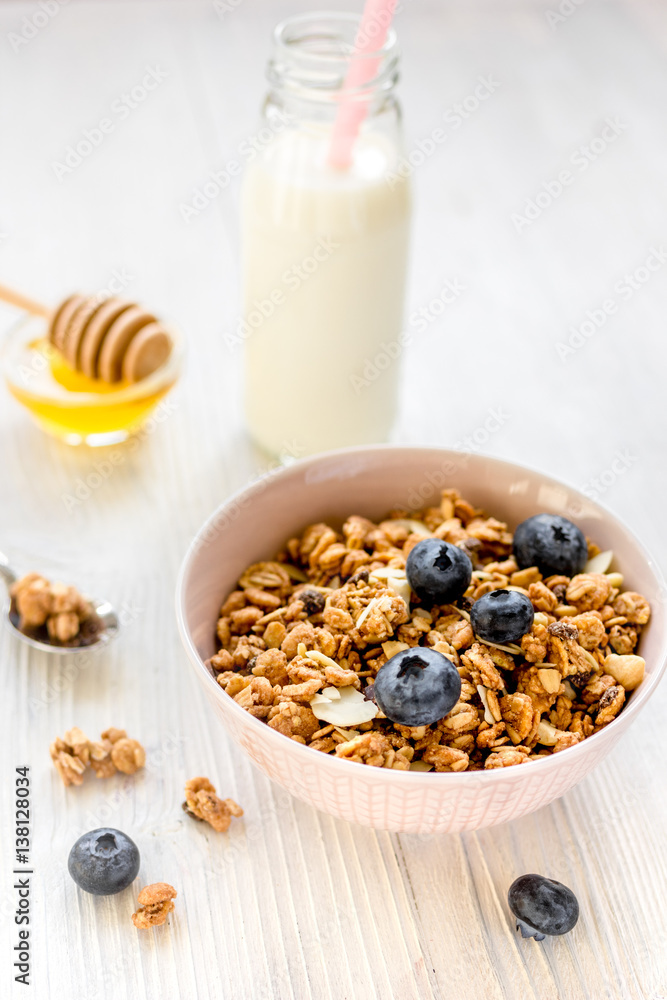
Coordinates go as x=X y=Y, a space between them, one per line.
x=347 y=734
x=350 y=709
x=395 y=580
x=366 y=612
x=569 y=690
x=488 y=717
x=298 y=574
x=615 y=579
x=332 y=693
x=423 y=613
x=392 y=647
x=540 y=618
x=420 y=765
x=599 y=563
x=414 y=527
x=549 y=679
x=321 y=658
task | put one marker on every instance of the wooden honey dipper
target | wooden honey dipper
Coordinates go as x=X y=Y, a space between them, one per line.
x=105 y=338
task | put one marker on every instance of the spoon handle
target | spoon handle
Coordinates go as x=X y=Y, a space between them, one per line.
x=6 y=572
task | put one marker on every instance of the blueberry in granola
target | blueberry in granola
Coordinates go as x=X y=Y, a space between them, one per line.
x=552 y=543
x=502 y=616
x=542 y=906
x=437 y=571
x=104 y=861
x=417 y=687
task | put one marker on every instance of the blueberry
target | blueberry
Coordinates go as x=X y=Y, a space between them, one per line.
x=542 y=906
x=104 y=861
x=552 y=543
x=417 y=686
x=502 y=616
x=438 y=572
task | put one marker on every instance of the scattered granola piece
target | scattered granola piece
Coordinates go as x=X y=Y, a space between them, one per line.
x=201 y=802
x=155 y=905
x=128 y=756
x=114 y=751
x=70 y=756
x=100 y=759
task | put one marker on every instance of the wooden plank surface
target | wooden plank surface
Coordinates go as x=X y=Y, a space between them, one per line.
x=291 y=903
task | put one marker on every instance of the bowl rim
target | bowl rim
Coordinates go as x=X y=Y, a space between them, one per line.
x=640 y=696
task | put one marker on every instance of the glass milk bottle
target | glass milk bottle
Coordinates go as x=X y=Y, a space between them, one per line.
x=324 y=248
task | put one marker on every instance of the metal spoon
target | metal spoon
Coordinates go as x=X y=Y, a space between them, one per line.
x=104 y=611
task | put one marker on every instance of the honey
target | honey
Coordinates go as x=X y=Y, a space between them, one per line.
x=73 y=407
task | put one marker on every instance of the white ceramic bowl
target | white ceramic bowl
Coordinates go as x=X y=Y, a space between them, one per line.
x=255 y=523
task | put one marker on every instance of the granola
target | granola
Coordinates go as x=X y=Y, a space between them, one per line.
x=155 y=905
x=53 y=612
x=113 y=752
x=302 y=638
x=202 y=803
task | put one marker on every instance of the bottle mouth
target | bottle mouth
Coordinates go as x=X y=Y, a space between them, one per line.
x=313 y=53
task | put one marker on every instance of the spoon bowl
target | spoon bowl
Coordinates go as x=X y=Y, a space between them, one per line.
x=106 y=613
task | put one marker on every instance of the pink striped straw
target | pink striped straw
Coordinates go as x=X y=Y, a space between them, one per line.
x=371 y=36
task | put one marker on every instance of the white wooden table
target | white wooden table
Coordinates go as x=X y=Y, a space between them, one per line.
x=292 y=904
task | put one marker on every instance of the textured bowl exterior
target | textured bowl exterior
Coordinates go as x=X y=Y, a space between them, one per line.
x=254 y=524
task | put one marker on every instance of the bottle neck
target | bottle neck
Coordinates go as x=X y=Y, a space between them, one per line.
x=309 y=67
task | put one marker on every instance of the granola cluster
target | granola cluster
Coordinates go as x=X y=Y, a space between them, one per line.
x=202 y=803
x=114 y=751
x=55 y=612
x=303 y=637
x=155 y=905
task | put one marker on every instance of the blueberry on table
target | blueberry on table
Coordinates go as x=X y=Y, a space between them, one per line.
x=552 y=543
x=438 y=572
x=104 y=861
x=417 y=686
x=502 y=616
x=542 y=906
